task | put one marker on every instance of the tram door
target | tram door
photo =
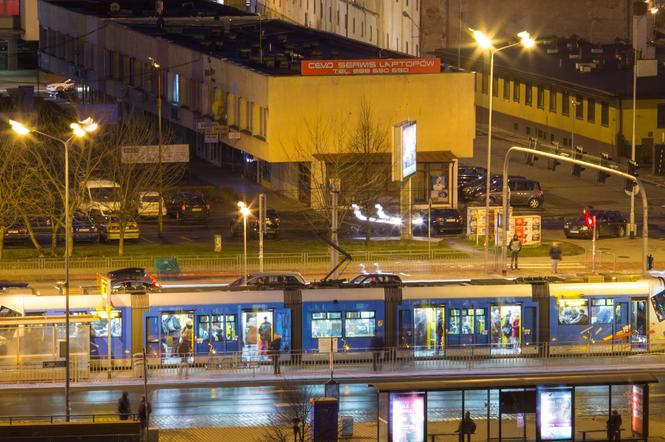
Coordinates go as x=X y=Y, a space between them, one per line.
x=257 y=332
x=622 y=323
x=163 y=332
x=505 y=322
x=638 y=324
x=429 y=329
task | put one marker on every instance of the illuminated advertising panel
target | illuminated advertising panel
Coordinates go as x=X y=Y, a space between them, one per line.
x=407 y=421
x=371 y=66
x=404 y=150
x=555 y=414
x=637 y=410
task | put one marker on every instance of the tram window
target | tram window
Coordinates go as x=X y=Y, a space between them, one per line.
x=99 y=328
x=359 y=324
x=203 y=330
x=454 y=326
x=467 y=321
x=481 y=324
x=602 y=311
x=327 y=325
x=573 y=311
x=230 y=327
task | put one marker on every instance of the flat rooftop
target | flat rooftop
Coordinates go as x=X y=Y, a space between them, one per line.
x=146 y=8
x=607 y=68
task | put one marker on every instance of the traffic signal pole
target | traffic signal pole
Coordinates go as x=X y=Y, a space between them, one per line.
x=579 y=162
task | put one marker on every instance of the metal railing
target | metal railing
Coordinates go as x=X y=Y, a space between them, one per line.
x=57 y=418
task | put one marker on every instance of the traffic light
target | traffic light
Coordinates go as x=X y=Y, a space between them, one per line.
x=605 y=162
x=553 y=162
x=530 y=157
x=577 y=170
x=632 y=170
x=588 y=219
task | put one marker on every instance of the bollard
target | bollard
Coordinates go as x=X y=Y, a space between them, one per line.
x=218 y=243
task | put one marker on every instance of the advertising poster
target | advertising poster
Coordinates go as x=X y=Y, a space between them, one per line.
x=527 y=229
x=408 y=150
x=555 y=414
x=439 y=191
x=476 y=220
x=637 y=410
x=407 y=421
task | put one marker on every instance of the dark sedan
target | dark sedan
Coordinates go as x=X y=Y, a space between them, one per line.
x=609 y=223
x=442 y=221
x=186 y=206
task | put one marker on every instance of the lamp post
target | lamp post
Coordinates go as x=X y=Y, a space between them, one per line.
x=413 y=23
x=631 y=227
x=244 y=211
x=485 y=42
x=160 y=217
x=574 y=103
x=79 y=130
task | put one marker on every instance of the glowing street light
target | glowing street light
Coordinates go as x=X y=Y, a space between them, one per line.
x=79 y=130
x=245 y=212
x=485 y=42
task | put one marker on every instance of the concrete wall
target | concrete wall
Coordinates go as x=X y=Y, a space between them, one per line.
x=444 y=23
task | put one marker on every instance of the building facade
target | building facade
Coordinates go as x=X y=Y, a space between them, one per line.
x=215 y=73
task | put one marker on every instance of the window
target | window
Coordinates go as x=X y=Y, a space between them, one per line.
x=528 y=94
x=552 y=100
x=661 y=116
x=540 y=99
x=132 y=71
x=591 y=110
x=454 y=322
x=604 y=113
x=263 y=123
x=359 y=324
x=506 y=89
x=565 y=103
x=484 y=85
x=467 y=321
x=573 y=311
x=176 y=89
x=579 y=107
x=480 y=322
x=327 y=325
x=602 y=311
x=99 y=328
x=236 y=111
x=249 y=116
x=516 y=91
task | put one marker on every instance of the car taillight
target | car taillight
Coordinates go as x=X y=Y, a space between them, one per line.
x=183 y=206
x=156 y=284
x=94 y=228
x=208 y=206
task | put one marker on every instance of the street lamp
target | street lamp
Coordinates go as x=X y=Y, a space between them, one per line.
x=413 y=23
x=160 y=217
x=485 y=42
x=245 y=212
x=631 y=222
x=79 y=130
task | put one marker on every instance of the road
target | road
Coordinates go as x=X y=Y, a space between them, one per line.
x=260 y=406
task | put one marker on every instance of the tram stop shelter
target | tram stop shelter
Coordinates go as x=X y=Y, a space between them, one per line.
x=570 y=407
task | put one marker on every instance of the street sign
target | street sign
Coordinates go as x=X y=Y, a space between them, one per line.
x=171 y=153
x=208 y=125
x=234 y=135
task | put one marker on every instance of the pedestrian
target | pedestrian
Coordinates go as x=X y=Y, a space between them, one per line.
x=124 y=408
x=439 y=335
x=555 y=255
x=466 y=427
x=377 y=347
x=515 y=247
x=275 y=346
x=614 y=427
x=515 y=333
x=144 y=413
x=265 y=331
x=185 y=348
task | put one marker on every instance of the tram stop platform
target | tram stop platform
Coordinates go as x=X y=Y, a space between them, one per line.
x=126 y=431
x=574 y=407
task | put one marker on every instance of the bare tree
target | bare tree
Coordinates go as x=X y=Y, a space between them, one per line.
x=12 y=183
x=291 y=422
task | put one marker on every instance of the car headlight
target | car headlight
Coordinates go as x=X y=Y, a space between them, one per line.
x=584 y=228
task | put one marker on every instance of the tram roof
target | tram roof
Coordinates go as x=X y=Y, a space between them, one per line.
x=518 y=381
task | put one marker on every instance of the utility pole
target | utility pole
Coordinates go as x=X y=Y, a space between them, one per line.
x=632 y=228
x=334 y=197
x=160 y=218
x=262 y=225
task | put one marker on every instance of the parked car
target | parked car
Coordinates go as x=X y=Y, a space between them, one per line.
x=147 y=205
x=467 y=174
x=478 y=186
x=133 y=280
x=272 y=280
x=271 y=225
x=523 y=192
x=442 y=221
x=189 y=206
x=376 y=279
x=64 y=86
x=84 y=229
x=609 y=223
x=109 y=230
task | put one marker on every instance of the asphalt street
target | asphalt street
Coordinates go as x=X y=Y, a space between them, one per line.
x=261 y=406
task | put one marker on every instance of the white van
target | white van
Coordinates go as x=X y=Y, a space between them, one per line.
x=148 y=205
x=101 y=197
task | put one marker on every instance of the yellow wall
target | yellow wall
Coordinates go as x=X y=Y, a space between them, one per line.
x=555 y=120
x=441 y=104
x=647 y=111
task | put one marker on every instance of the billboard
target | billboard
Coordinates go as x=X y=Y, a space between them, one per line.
x=637 y=410
x=380 y=66
x=407 y=417
x=555 y=414
x=171 y=153
x=404 y=150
